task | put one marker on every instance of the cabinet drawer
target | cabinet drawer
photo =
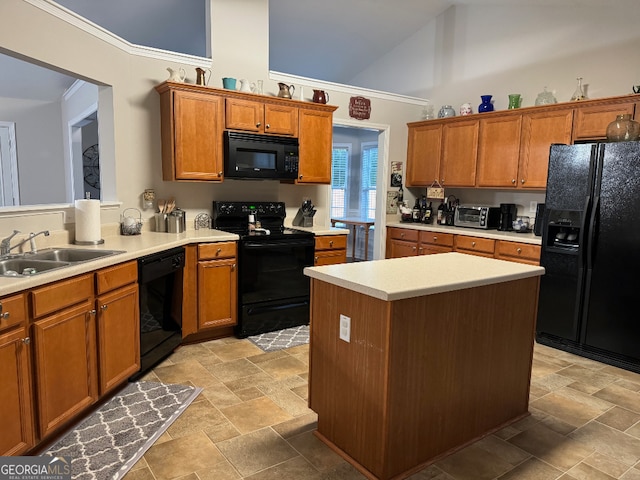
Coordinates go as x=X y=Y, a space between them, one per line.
x=331 y=242
x=117 y=276
x=403 y=234
x=213 y=251
x=57 y=296
x=525 y=251
x=475 y=244
x=330 y=258
x=437 y=238
x=13 y=311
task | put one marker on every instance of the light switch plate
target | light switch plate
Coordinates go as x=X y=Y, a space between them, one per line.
x=345 y=328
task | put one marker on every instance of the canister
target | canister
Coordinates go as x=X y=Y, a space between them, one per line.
x=176 y=221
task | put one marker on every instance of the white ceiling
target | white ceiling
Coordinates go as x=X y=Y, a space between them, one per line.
x=331 y=40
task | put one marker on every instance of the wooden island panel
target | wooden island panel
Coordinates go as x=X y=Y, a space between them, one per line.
x=421 y=377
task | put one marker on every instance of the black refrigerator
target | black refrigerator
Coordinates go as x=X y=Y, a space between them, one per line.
x=590 y=293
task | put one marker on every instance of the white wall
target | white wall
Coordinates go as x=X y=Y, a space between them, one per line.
x=39 y=148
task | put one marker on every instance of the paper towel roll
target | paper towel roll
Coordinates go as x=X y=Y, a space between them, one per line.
x=88 y=226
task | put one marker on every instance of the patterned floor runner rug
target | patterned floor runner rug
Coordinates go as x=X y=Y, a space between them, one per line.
x=287 y=338
x=112 y=439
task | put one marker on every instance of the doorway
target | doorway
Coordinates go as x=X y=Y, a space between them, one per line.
x=357 y=186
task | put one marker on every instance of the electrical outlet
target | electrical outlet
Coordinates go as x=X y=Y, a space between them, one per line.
x=533 y=206
x=345 y=328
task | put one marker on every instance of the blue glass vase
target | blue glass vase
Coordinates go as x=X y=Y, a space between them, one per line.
x=486 y=105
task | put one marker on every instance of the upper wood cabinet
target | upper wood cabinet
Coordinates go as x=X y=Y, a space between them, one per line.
x=424 y=149
x=316 y=146
x=512 y=146
x=590 y=122
x=257 y=117
x=459 y=154
x=192 y=126
x=194 y=118
x=539 y=132
x=498 y=151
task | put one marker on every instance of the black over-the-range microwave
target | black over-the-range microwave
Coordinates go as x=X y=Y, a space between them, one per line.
x=249 y=155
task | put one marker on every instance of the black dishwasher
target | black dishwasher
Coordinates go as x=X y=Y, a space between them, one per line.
x=159 y=281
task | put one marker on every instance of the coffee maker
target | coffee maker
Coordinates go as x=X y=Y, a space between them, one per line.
x=507 y=216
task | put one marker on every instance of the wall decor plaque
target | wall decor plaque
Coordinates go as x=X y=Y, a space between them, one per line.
x=360 y=108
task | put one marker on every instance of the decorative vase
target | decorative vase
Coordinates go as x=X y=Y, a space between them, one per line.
x=486 y=105
x=623 y=129
x=579 y=93
x=514 y=100
x=545 y=98
x=465 y=109
x=446 y=111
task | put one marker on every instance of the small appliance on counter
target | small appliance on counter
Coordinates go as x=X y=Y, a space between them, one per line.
x=508 y=213
x=475 y=216
x=304 y=217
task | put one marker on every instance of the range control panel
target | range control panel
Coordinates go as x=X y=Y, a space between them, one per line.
x=243 y=209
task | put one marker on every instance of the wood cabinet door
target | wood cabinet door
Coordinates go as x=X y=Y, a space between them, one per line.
x=16 y=402
x=244 y=115
x=280 y=120
x=198 y=136
x=590 y=123
x=399 y=248
x=65 y=365
x=315 y=144
x=118 y=336
x=459 y=154
x=217 y=293
x=423 y=154
x=499 y=151
x=539 y=131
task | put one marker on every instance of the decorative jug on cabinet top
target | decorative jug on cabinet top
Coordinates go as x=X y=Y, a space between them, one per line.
x=176 y=75
x=320 y=96
x=286 y=91
x=201 y=76
x=245 y=85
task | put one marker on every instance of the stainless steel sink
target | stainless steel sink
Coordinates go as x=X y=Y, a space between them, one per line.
x=22 y=267
x=72 y=255
x=45 y=260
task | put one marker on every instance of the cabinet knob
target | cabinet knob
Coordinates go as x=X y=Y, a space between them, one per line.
x=435 y=239
x=26 y=340
x=267 y=126
x=414 y=249
x=519 y=250
x=420 y=249
x=218 y=251
x=92 y=312
x=233 y=267
x=331 y=243
x=522 y=181
x=103 y=307
x=4 y=315
x=300 y=177
x=315 y=259
x=258 y=124
x=513 y=180
x=402 y=235
x=219 y=174
x=473 y=244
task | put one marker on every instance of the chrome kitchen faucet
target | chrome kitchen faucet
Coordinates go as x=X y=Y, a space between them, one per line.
x=5 y=244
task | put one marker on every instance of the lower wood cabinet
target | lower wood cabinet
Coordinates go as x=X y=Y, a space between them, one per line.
x=210 y=287
x=16 y=399
x=406 y=242
x=65 y=363
x=118 y=324
x=330 y=249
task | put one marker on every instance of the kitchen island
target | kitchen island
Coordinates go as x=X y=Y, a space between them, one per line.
x=413 y=358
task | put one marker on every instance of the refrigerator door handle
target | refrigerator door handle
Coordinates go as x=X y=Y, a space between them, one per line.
x=583 y=229
x=592 y=232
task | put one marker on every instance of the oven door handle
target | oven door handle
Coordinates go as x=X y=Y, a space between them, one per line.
x=277 y=243
x=274 y=308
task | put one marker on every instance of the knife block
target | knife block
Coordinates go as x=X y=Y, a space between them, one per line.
x=302 y=219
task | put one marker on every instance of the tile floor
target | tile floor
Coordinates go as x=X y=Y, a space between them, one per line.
x=252 y=422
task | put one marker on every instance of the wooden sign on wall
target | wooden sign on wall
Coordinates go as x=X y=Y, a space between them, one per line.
x=360 y=108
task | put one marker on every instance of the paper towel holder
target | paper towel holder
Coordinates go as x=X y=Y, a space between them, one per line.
x=89 y=242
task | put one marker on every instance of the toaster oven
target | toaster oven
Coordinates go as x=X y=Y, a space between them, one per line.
x=477 y=216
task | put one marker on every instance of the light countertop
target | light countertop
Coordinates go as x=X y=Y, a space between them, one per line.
x=322 y=230
x=408 y=277
x=472 y=232
x=133 y=247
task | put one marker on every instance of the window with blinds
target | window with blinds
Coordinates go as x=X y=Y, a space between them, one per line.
x=369 y=178
x=339 y=179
